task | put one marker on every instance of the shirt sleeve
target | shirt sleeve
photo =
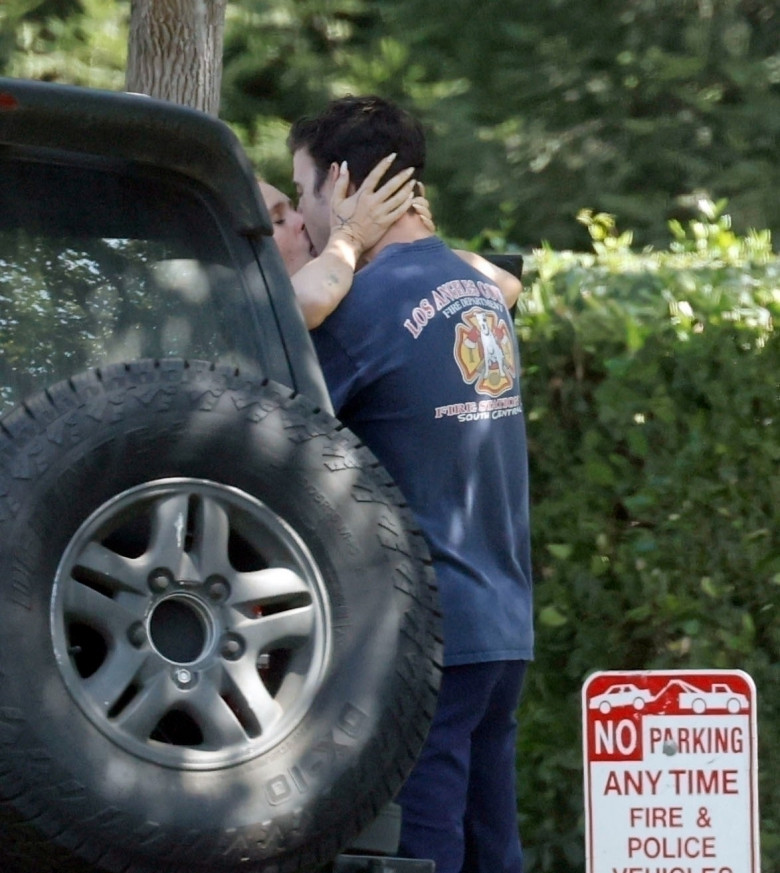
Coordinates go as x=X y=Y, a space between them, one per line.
x=337 y=366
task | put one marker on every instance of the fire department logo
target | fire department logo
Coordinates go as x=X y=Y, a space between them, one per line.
x=484 y=352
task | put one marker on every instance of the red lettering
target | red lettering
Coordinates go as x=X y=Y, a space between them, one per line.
x=671 y=847
x=639 y=782
x=697 y=740
x=671 y=870
x=705 y=781
x=656 y=816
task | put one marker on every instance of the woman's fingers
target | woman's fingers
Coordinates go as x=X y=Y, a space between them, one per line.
x=371 y=180
x=422 y=207
x=366 y=214
x=391 y=186
x=405 y=194
x=395 y=183
x=399 y=203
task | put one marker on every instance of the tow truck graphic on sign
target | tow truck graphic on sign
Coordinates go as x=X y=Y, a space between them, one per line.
x=691 y=698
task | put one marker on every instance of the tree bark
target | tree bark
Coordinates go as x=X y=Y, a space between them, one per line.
x=175 y=51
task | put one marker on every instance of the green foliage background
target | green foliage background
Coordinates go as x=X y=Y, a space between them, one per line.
x=652 y=383
x=651 y=376
x=633 y=107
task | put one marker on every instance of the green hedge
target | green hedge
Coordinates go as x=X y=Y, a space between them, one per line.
x=651 y=388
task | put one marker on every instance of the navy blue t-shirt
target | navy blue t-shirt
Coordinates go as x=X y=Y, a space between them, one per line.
x=422 y=364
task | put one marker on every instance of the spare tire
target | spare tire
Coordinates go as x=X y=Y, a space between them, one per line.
x=219 y=632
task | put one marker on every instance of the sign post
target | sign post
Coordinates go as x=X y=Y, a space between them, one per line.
x=670 y=772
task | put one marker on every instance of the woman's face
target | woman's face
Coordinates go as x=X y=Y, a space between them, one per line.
x=290 y=234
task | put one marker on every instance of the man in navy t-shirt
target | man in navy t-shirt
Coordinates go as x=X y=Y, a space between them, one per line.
x=422 y=363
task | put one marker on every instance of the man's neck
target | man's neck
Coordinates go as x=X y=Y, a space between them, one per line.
x=408 y=228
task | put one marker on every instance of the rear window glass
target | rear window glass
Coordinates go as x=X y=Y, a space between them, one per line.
x=105 y=265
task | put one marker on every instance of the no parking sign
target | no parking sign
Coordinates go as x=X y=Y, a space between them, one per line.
x=670 y=772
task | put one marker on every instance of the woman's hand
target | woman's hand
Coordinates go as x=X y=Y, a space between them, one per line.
x=362 y=218
x=422 y=207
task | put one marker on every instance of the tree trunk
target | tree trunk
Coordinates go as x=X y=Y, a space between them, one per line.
x=175 y=51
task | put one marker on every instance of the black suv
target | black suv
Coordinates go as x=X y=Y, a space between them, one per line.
x=219 y=637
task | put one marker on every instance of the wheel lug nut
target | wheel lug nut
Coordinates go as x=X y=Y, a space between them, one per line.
x=159 y=580
x=217 y=588
x=232 y=648
x=136 y=634
x=183 y=678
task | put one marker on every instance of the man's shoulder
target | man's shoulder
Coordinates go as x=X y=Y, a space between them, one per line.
x=430 y=251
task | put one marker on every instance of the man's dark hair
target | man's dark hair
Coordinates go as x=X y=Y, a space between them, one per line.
x=361 y=131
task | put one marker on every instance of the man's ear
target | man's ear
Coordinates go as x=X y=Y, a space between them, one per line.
x=334 y=171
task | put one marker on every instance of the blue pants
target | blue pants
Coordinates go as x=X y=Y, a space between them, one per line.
x=459 y=805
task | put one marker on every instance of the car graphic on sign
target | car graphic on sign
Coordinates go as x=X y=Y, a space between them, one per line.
x=720 y=696
x=620 y=695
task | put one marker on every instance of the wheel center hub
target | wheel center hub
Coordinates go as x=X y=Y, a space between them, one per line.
x=180 y=629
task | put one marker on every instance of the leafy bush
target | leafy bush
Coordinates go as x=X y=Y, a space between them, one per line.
x=651 y=384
